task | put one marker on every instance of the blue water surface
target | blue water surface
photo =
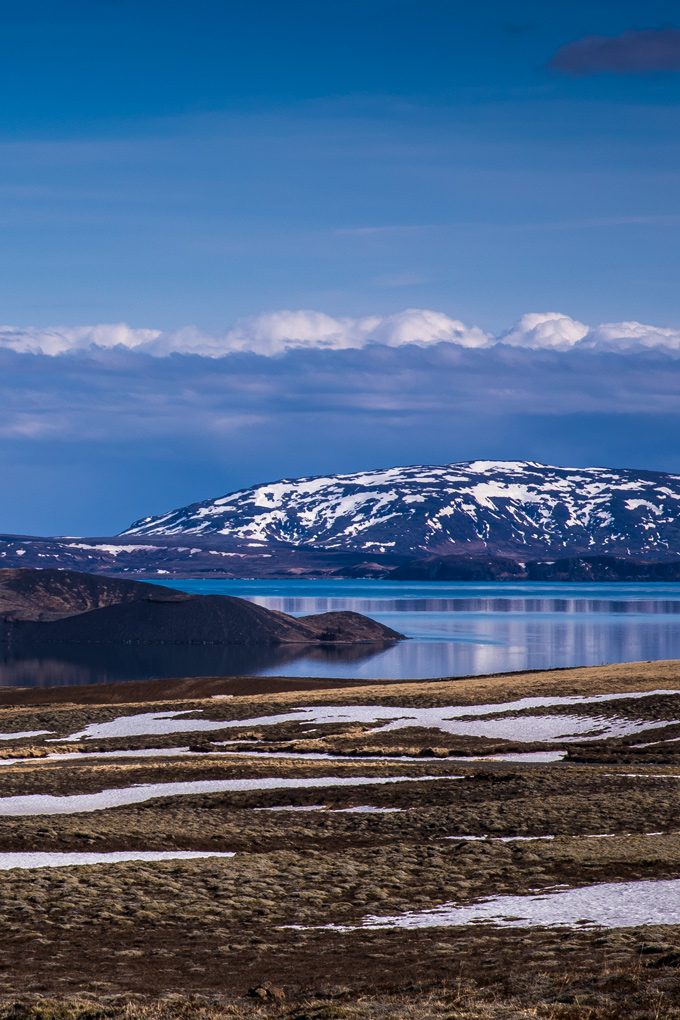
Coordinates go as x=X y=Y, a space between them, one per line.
x=458 y=629
x=453 y=630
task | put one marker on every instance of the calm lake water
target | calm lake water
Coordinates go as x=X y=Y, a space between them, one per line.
x=454 y=630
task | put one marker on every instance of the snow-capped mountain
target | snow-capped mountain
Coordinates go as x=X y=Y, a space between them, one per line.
x=520 y=509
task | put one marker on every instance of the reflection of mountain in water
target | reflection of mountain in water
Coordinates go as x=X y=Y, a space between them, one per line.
x=86 y=664
x=301 y=605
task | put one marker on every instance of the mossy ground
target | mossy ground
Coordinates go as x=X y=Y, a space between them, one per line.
x=189 y=939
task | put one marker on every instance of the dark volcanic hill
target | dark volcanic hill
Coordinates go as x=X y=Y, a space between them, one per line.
x=164 y=616
x=50 y=594
x=521 y=510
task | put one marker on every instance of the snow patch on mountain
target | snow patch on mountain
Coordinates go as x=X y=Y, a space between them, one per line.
x=474 y=507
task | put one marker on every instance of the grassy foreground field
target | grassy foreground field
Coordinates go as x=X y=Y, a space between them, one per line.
x=286 y=927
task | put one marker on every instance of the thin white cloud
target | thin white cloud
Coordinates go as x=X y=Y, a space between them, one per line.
x=630 y=336
x=55 y=340
x=274 y=333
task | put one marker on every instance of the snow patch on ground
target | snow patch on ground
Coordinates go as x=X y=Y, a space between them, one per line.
x=22 y=735
x=606 y=905
x=366 y=809
x=74 y=756
x=529 y=757
x=529 y=839
x=71 y=804
x=361 y=809
x=461 y=720
x=293 y=807
x=468 y=720
x=115 y=550
x=147 y=724
x=24 y=861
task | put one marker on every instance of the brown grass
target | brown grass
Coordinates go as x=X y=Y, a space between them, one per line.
x=187 y=940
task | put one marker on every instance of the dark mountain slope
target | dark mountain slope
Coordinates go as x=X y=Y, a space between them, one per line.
x=191 y=620
x=575 y=568
x=27 y=594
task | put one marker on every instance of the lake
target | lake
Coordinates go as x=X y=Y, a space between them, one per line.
x=454 y=629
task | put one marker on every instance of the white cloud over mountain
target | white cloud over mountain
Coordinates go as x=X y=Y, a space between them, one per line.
x=273 y=333
x=131 y=419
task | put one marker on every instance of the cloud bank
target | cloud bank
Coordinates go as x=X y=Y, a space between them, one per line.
x=93 y=439
x=633 y=52
x=111 y=395
x=277 y=332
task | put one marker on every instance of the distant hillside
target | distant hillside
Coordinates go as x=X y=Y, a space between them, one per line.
x=520 y=510
x=131 y=613
x=571 y=568
x=51 y=594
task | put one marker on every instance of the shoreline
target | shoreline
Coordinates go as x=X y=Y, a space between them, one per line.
x=181 y=688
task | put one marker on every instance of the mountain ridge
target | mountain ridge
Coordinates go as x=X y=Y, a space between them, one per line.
x=518 y=509
x=476 y=520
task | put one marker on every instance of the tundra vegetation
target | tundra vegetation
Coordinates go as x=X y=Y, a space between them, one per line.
x=287 y=926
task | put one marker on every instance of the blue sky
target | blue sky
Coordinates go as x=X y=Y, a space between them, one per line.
x=209 y=164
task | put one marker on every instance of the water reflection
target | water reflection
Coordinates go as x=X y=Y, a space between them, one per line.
x=501 y=645
x=460 y=629
x=303 y=605
x=454 y=630
x=86 y=664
